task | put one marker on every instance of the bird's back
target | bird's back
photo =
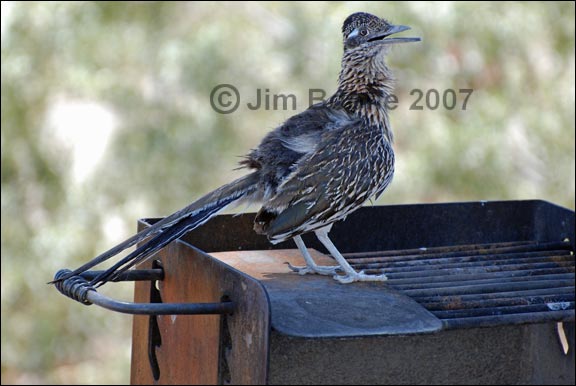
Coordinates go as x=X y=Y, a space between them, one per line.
x=316 y=168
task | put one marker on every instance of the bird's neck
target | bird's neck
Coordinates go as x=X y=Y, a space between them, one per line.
x=364 y=89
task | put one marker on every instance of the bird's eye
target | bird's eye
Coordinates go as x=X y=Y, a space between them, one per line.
x=363 y=32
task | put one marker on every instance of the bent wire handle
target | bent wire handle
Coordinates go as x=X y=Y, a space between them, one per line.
x=78 y=288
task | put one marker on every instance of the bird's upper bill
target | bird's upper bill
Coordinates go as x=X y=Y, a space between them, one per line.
x=364 y=29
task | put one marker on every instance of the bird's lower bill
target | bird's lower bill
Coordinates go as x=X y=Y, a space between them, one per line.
x=397 y=40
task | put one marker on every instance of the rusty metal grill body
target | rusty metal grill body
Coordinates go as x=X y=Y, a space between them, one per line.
x=474 y=295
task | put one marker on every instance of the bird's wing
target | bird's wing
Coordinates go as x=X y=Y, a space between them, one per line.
x=283 y=148
x=324 y=184
x=303 y=132
x=299 y=135
x=350 y=165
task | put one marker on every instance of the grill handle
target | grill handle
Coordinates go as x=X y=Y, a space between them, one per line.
x=78 y=288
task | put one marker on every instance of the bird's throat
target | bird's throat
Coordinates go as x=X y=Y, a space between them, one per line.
x=365 y=90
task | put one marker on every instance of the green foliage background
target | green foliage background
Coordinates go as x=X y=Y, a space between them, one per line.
x=106 y=118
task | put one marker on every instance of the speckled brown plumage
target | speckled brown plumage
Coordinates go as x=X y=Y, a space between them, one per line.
x=311 y=171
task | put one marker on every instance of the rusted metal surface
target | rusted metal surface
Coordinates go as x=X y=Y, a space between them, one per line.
x=450 y=266
x=192 y=349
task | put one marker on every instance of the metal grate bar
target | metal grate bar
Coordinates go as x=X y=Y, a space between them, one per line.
x=499 y=295
x=460 y=256
x=482 y=284
x=488 y=288
x=440 y=306
x=476 y=281
x=503 y=310
x=471 y=249
x=492 y=265
x=495 y=320
x=470 y=274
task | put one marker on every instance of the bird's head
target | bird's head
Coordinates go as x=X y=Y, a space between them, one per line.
x=370 y=34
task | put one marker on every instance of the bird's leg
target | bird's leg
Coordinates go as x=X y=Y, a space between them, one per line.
x=311 y=266
x=350 y=275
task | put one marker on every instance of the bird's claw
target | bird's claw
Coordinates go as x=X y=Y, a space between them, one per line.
x=359 y=276
x=316 y=269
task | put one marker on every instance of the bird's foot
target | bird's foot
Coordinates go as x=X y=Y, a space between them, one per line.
x=359 y=276
x=328 y=270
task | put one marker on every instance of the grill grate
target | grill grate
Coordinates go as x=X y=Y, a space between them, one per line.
x=482 y=284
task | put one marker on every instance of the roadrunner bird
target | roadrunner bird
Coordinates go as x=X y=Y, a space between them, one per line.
x=313 y=170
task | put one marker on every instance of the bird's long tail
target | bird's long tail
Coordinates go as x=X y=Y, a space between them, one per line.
x=170 y=228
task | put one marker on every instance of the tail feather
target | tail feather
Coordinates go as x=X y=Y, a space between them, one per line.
x=158 y=242
x=170 y=228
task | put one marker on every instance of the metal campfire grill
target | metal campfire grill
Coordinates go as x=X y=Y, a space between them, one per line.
x=479 y=292
x=482 y=284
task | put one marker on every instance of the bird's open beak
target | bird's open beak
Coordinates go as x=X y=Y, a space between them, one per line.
x=383 y=38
